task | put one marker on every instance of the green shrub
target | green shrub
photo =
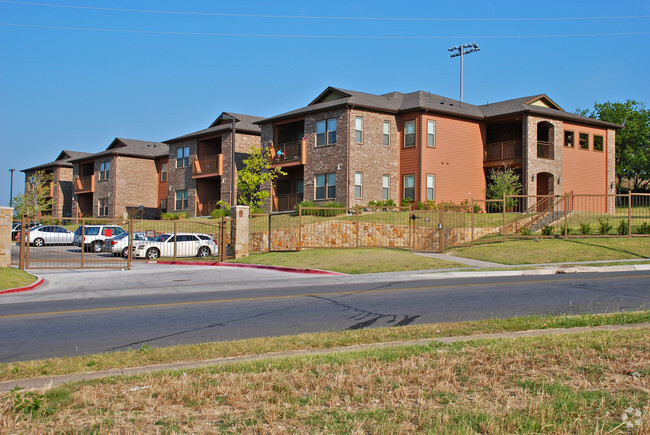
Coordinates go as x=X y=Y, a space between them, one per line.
x=585 y=228
x=604 y=226
x=382 y=203
x=525 y=231
x=326 y=208
x=406 y=202
x=174 y=216
x=219 y=213
x=421 y=206
x=547 y=230
x=644 y=228
x=623 y=227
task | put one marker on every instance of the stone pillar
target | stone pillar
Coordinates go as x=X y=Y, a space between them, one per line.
x=6 y=219
x=239 y=230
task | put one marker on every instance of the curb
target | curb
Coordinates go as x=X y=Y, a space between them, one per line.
x=250 y=266
x=53 y=381
x=38 y=282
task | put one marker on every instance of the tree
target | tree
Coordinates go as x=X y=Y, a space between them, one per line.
x=256 y=171
x=503 y=182
x=36 y=198
x=632 y=141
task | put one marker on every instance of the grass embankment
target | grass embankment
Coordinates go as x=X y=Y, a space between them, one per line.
x=356 y=260
x=587 y=383
x=558 y=250
x=13 y=278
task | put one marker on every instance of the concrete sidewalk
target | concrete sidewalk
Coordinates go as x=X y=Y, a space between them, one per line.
x=47 y=382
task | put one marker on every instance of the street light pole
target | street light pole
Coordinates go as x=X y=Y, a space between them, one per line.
x=11 y=191
x=461 y=50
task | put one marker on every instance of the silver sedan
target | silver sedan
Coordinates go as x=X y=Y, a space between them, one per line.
x=50 y=235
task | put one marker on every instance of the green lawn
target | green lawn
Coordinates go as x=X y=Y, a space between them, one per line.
x=357 y=260
x=12 y=278
x=558 y=250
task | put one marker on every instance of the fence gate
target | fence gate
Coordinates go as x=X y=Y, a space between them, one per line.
x=426 y=231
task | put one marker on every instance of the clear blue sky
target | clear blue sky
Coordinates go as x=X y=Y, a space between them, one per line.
x=66 y=84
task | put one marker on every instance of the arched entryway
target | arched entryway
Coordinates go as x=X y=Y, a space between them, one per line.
x=545 y=135
x=545 y=186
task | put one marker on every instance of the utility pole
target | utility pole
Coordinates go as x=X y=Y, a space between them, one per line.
x=461 y=50
x=11 y=191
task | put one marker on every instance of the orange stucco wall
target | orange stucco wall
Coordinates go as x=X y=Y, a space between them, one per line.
x=584 y=171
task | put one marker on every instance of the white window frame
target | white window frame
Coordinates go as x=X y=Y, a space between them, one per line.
x=386 y=133
x=358 y=184
x=409 y=124
x=358 y=129
x=163 y=172
x=411 y=177
x=102 y=207
x=431 y=134
x=385 y=187
x=431 y=187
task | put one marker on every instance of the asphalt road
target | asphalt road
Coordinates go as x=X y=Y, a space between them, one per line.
x=196 y=308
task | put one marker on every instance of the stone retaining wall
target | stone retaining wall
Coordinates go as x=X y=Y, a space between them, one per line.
x=6 y=219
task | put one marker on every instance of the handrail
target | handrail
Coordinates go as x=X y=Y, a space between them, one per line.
x=534 y=208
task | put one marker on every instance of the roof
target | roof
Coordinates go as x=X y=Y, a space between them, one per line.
x=397 y=102
x=129 y=147
x=243 y=124
x=63 y=160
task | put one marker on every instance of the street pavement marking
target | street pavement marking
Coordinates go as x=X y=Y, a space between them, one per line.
x=302 y=295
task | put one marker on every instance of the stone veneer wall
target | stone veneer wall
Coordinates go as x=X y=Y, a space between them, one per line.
x=337 y=234
x=534 y=165
x=136 y=184
x=181 y=178
x=6 y=219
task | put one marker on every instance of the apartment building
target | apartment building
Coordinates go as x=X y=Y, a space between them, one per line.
x=353 y=147
x=201 y=171
x=60 y=188
x=128 y=178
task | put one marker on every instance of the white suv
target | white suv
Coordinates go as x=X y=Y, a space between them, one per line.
x=94 y=236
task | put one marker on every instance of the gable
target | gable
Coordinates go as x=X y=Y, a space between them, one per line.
x=329 y=94
x=544 y=101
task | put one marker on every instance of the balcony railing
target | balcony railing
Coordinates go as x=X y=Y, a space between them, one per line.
x=84 y=184
x=205 y=208
x=287 y=201
x=209 y=165
x=544 y=150
x=506 y=150
x=288 y=152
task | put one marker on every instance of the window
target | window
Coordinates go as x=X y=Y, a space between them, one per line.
x=409 y=133
x=358 y=129
x=568 y=139
x=598 y=143
x=431 y=133
x=431 y=187
x=300 y=188
x=104 y=169
x=163 y=206
x=409 y=187
x=182 y=157
x=163 y=172
x=181 y=200
x=385 y=187
x=386 y=131
x=326 y=132
x=102 y=207
x=358 y=182
x=584 y=141
x=326 y=186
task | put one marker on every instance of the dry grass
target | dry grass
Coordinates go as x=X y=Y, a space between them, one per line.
x=147 y=355
x=557 y=384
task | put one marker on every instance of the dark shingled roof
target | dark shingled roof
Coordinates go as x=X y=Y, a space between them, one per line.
x=131 y=148
x=397 y=102
x=63 y=160
x=243 y=124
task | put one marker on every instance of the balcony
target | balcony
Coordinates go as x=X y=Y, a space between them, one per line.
x=544 y=150
x=205 y=208
x=208 y=166
x=288 y=153
x=502 y=151
x=286 y=202
x=84 y=184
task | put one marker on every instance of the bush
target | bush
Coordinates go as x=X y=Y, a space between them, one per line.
x=604 y=226
x=525 y=231
x=421 y=206
x=547 y=230
x=644 y=228
x=219 y=213
x=585 y=228
x=174 y=216
x=332 y=208
x=623 y=227
x=406 y=202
